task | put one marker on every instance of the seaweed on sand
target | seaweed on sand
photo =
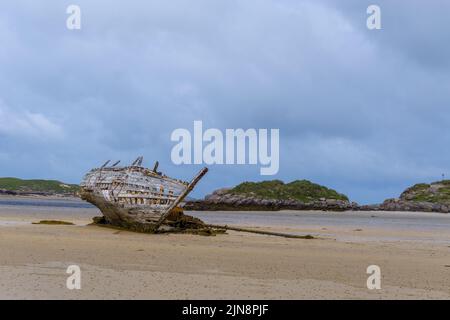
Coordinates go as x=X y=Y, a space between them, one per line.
x=177 y=223
x=54 y=222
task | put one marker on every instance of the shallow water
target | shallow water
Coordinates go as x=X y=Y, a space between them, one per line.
x=390 y=220
x=63 y=203
x=433 y=227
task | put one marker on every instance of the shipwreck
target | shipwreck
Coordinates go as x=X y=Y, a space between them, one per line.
x=136 y=197
x=139 y=199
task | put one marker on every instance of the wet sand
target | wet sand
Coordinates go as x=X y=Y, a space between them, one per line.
x=414 y=260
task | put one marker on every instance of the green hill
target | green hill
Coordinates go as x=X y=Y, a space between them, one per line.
x=436 y=192
x=37 y=186
x=302 y=190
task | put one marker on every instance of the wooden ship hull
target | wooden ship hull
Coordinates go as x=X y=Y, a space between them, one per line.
x=134 y=194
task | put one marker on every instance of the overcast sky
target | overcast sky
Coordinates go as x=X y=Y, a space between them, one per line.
x=363 y=111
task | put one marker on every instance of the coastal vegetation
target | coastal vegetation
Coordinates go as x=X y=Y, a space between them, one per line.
x=436 y=192
x=421 y=197
x=37 y=186
x=274 y=195
x=301 y=190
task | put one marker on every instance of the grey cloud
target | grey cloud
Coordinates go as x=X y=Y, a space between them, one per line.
x=363 y=111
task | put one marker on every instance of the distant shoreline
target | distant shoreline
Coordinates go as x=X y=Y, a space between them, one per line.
x=237 y=209
x=275 y=195
x=39 y=197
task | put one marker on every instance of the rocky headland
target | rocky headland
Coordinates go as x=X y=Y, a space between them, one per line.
x=423 y=197
x=272 y=196
x=305 y=195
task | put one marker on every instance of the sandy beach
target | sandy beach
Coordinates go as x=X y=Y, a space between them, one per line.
x=414 y=260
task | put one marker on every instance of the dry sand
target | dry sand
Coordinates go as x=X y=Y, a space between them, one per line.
x=125 y=265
